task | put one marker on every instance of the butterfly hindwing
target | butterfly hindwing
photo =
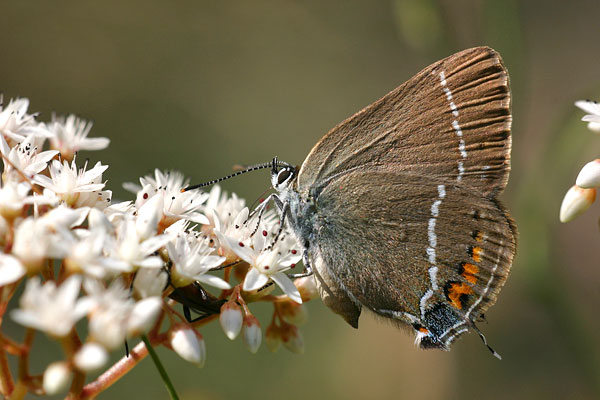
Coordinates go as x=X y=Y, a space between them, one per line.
x=430 y=252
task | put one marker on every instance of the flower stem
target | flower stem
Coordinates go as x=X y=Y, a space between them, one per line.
x=160 y=368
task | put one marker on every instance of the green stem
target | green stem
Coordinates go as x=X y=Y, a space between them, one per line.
x=160 y=368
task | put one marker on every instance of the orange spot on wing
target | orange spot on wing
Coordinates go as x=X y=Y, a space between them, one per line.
x=476 y=253
x=456 y=291
x=469 y=272
x=423 y=330
x=479 y=236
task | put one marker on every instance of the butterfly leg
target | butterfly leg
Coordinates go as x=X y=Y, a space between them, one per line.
x=307 y=267
x=260 y=209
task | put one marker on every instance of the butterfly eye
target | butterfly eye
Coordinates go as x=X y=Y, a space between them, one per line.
x=283 y=176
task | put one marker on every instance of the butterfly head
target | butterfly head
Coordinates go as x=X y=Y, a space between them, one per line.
x=283 y=175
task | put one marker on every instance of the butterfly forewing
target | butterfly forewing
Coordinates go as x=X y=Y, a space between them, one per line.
x=451 y=120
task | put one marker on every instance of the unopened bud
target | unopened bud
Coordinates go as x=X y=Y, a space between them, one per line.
x=90 y=357
x=273 y=338
x=576 y=201
x=292 y=339
x=252 y=333
x=231 y=319
x=188 y=344
x=56 y=377
x=307 y=287
x=589 y=176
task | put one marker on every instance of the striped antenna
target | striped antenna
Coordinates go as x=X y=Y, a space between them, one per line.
x=271 y=164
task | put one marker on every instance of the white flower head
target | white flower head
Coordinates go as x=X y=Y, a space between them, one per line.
x=129 y=251
x=268 y=260
x=222 y=207
x=176 y=204
x=70 y=134
x=16 y=124
x=192 y=260
x=69 y=182
x=50 y=308
x=14 y=196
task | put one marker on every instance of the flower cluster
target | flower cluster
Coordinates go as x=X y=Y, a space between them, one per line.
x=117 y=266
x=581 y=195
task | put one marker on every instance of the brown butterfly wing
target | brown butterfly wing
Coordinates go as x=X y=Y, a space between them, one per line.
x=427 y=251
x=450 y=120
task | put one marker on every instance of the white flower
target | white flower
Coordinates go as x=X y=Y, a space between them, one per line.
x=150 y=282
x=192 y=261
x=49 y=308
x=70 y=136
x=25 y=157
x=268 y=262
x=225 y=208
x=593 y=116
x=114 y=315
x=16 y=124
x=14 y=196
x=177 y=205
x=32 y=243
x=68 y=182
x=130 y=252
x=83 y=253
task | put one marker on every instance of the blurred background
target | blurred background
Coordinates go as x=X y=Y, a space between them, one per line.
x=200 y=86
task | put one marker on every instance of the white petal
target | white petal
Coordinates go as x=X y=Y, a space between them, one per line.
x=254 y=280
x=588 y=106
x=214 y=281
x=11 y=269
x=287 y=286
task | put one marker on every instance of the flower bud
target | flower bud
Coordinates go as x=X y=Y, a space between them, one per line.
x=231 y=319
x=143 y=316
x=252 y=333
x=589 y=176
x=307 y=287
x=273 y=338
x=56 y=378
x=292 y=339
x=576 y=201
x=150 y=282
x=293 y=313
x=90 y=357
x=188 y=344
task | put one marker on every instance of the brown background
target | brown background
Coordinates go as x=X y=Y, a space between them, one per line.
x=202 y=85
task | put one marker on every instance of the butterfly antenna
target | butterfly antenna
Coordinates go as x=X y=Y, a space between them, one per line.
x=271 y=164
